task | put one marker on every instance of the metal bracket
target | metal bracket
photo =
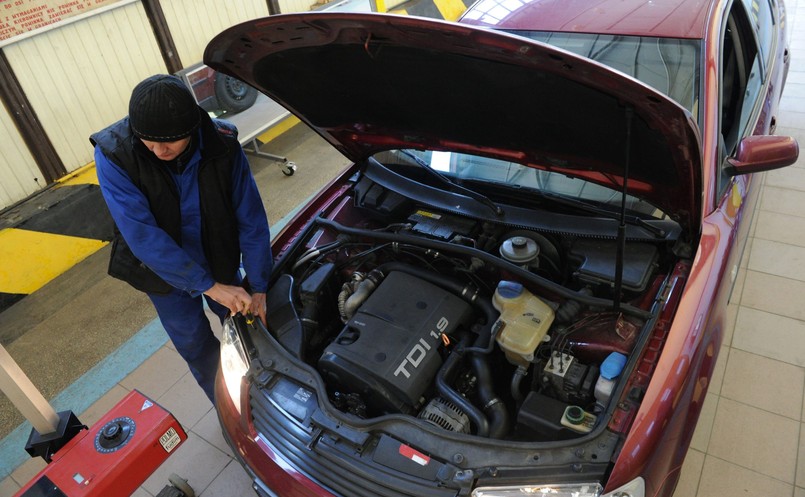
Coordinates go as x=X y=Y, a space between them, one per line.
x=287 y=167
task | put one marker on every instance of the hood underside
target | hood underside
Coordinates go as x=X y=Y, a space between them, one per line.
x=372 y=82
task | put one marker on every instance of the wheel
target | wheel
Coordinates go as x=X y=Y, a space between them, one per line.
x=181 y=484
x=233 y=94
x=289 y=169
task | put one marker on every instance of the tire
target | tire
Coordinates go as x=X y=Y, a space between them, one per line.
x=233 y=94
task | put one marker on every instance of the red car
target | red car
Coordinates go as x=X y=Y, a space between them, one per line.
x=520 y=285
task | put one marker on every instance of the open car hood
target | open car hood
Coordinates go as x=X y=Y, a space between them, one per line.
x=372 y=82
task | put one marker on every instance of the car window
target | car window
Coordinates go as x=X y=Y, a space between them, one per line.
x=760 y=12
x=466 y=168
x=741 y=83
x=668 y=65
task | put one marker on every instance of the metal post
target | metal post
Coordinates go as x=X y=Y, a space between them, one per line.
x=164 y=38
x=28 y=124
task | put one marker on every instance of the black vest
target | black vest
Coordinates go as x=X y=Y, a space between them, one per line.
x=219 y=225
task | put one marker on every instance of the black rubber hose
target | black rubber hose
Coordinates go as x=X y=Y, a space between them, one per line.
x=517 y=378
x=525 y=274
x=569 y=309
x=492 y=405
x=445 y=375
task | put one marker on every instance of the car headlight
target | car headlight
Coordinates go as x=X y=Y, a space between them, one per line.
x=560 y=490
x=234 y=362
x=635 y=488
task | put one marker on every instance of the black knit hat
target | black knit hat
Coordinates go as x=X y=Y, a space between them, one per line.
x=162 y=109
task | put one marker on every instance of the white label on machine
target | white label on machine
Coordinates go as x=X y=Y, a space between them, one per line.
x=170 y=440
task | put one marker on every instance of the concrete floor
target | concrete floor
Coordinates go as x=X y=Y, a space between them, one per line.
x=750 y=439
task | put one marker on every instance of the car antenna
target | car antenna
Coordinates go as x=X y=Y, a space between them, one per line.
x=621 y=241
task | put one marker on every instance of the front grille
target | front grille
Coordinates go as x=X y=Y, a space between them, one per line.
x=332 y=464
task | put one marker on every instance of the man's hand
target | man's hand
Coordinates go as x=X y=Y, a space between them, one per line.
x=233 y=297
x=258 y=307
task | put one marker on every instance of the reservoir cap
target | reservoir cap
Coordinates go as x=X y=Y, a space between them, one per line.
x=613 y=365
x=509 y=289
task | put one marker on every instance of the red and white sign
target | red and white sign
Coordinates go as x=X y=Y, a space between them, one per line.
x=21 y=16
x=414 y=455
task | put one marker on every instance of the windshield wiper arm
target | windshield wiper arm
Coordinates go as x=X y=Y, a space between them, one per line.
x=455 y=186
x=586 y=206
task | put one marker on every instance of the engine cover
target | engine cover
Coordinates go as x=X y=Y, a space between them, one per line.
x=388 y=352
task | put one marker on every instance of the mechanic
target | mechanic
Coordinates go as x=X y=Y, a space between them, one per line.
x=186 y=208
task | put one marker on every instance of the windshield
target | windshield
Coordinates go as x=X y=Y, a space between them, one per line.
x=467 y=169
x=666 y=64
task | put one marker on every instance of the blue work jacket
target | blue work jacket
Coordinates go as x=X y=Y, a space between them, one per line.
x=184 y=263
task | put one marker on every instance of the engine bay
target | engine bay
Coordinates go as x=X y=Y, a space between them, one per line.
x=475 y=327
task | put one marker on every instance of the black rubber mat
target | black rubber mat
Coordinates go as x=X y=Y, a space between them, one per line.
x=422 y=8
x=9 y=299
x=83 y=214
x=36 y=204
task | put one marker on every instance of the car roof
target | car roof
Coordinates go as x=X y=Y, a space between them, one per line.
x=656 y=18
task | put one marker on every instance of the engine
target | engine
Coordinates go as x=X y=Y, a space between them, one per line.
x=445 y=324
x=388 y=352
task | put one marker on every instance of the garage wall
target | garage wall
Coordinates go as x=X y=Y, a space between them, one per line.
x=78 y=77
x=18 y=171
x=289 y=6
x=193 y=23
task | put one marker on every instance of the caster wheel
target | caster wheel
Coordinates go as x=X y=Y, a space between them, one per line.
x=289 y=169
x=181 y=484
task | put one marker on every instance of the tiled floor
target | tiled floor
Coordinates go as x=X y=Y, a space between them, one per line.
x=204 y=459
x=750 y=438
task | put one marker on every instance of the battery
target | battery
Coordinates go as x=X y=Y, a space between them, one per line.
x=441 y=226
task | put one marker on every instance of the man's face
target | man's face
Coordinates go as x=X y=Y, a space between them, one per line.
x=167 y=150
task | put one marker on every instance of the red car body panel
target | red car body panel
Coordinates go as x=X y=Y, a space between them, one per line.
x=679 y=19
x=680 y=382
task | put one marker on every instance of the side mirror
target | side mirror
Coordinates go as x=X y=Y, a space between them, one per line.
x=762 y=153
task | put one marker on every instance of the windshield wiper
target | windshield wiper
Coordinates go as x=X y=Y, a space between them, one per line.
x=455 y=186
x=592 y=209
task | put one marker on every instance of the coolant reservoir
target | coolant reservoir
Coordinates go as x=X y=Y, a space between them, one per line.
x=525 y=320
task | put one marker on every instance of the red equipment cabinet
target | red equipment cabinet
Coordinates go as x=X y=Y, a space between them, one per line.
x=115 y=456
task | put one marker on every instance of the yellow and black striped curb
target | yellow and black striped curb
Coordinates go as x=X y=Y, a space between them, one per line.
x=50 y=232
x=449 y=10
